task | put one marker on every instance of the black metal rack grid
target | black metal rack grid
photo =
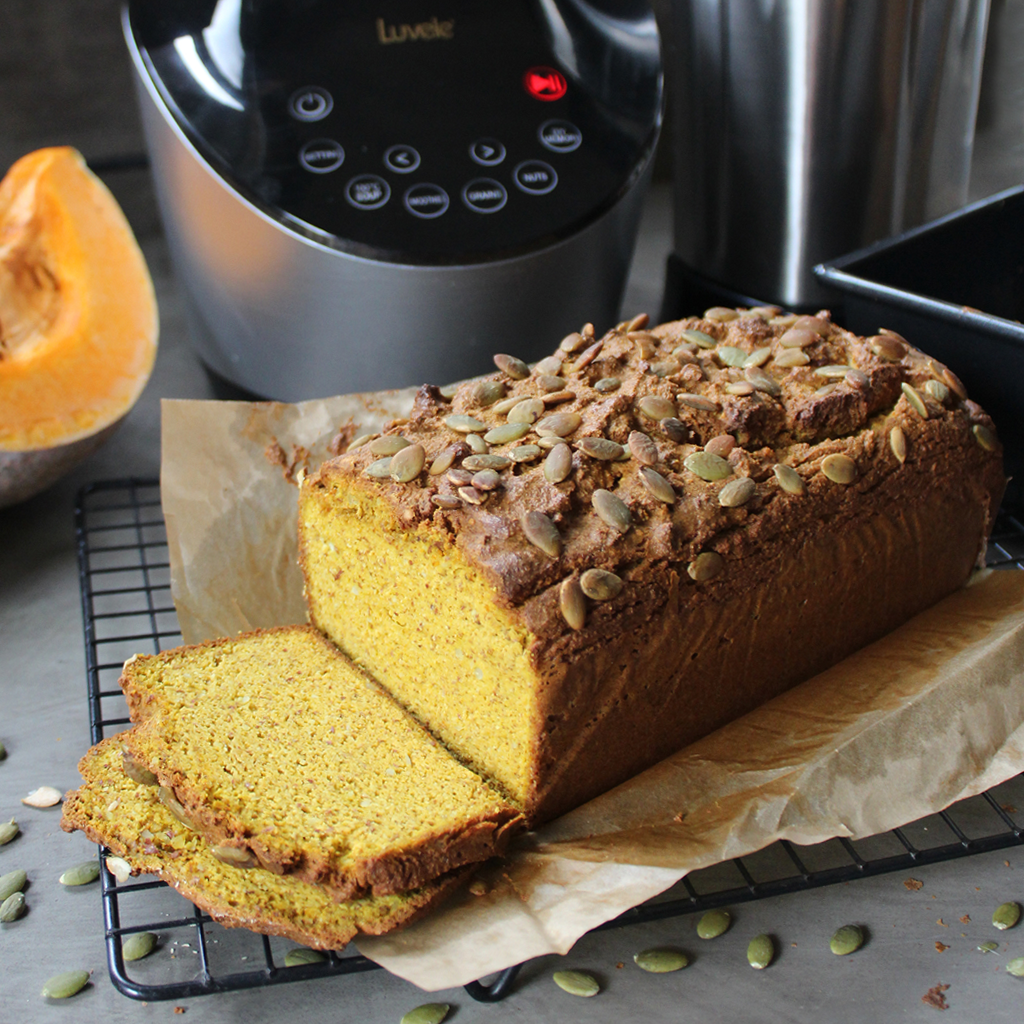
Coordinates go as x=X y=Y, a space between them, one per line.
x=127 y=609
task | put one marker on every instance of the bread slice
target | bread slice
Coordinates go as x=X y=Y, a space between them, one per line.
x=130 y=821
x=275 y=745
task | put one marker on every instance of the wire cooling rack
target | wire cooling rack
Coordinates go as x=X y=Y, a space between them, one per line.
x=127 y=609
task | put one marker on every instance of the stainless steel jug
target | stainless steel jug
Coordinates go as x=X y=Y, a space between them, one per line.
x=804 y=129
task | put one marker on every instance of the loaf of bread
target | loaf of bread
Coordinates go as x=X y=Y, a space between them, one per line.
x=128 y=818
x=281 y=753
x=570 y=572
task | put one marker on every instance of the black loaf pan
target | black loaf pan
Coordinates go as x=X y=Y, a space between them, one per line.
x=955 y=289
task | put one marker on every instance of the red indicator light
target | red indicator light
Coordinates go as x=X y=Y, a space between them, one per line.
x=545 y=83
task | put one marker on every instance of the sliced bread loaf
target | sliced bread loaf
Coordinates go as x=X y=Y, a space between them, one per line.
x=276 y=746
x=128 y=818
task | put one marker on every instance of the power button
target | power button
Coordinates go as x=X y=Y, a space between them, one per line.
x=310 y=104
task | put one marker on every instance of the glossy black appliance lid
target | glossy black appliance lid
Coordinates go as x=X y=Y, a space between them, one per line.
x=414 y=130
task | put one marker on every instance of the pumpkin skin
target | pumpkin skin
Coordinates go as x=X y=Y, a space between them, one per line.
x=78 y=319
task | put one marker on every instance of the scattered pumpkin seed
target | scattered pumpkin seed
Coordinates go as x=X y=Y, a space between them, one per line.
x=1006 y=915
x=612 y=510
x=985 y=437
x=448 y=391
x=511 y=367
x=459 y=477
x=389 y=444
x=840 y=469
x=44 y=796
x=739 y=387
x=898 y=444
x=236 y=856
x=789 y=479
x=166 y=796
x=448 y=501
x=1016 y=967
x=762 y=380
x=8 y=830
x=65 y=985
x=81 y=874
x=685 y=353
x=360 y=441
x=529 y=410
x=732 y=356
x=12 y=882
x=137 y=772
x=758 y=357
x=472 y=495
x=572 y=343
x=701 y=402
x=505 y=404
x=714 y=923
x=760 y=952
x=699 y=338
x=525 y=452
x=661 y=960
x=12 y=908
x=587 y=357
x=463 y=424
x=954 y=383
x=813 y=323
x=119 y=868
x=646 y=344
x=991 y=946
x=542 y=533
x=138 y=945
x=571 y=603
x=576 y=983
x=486 y=480
x=477 y=445
x=705 y=566
x=379 y=469
x=559 y=424
x=487 y=392
x=644 y=450
x=407 y=464
x=915 y=400
x=798 y=337
x=857 y=378
x=665 y=367
x=708 y=466
x=784 y=320
x=658 y=486
x=600 y=448
x=301 y=956
x=475 y=463
x=443 y=462
x=846 y=940
x=887 y=347
x=557 y=397
x=833 y=371
x=506 y=433
x=721 y=314
x=558 y=464
x=737 y=492
x=600 y=585
x=606 y=384
x=656 y=407
x=548 y=366
x=639 y=321
x=791 y=357
x=720 y=444
x=675 y=430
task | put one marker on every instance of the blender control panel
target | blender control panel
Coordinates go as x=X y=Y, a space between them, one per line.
x=429 y=132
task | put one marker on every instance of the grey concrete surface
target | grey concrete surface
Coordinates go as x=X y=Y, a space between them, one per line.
x=63 y=78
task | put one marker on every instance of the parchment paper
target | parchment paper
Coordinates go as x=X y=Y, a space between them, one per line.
x=929 y=715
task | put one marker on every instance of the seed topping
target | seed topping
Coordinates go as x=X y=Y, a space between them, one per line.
x=898 y=444
x=612 y=510
x=601 y=448
x=511 y=367
x=542 y=533
x=527 y=411
x=571 y=603
x=737 y=492
x=658 y=486
x=656 y=407
x=708 y=466
x=704 y=567
x=600 y=585
x=559 y=424
x=916 y=401
x=474 y=463
x=463 y=424
x=506 y=433
x=643 y=449
x=840 y=469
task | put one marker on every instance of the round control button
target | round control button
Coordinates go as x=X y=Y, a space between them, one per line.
x=487 y=152
x=367 y=192
x=310 y=104
x=425 y=200
x=402 y=159
x=535 y=177
x=544 y=83
x=321 y=156
x=560 y=136
x=484 y=195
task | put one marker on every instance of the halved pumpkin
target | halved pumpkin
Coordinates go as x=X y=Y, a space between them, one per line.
x=78 y=319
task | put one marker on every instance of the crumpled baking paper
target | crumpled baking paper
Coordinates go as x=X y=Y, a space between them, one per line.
x=929 y=715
